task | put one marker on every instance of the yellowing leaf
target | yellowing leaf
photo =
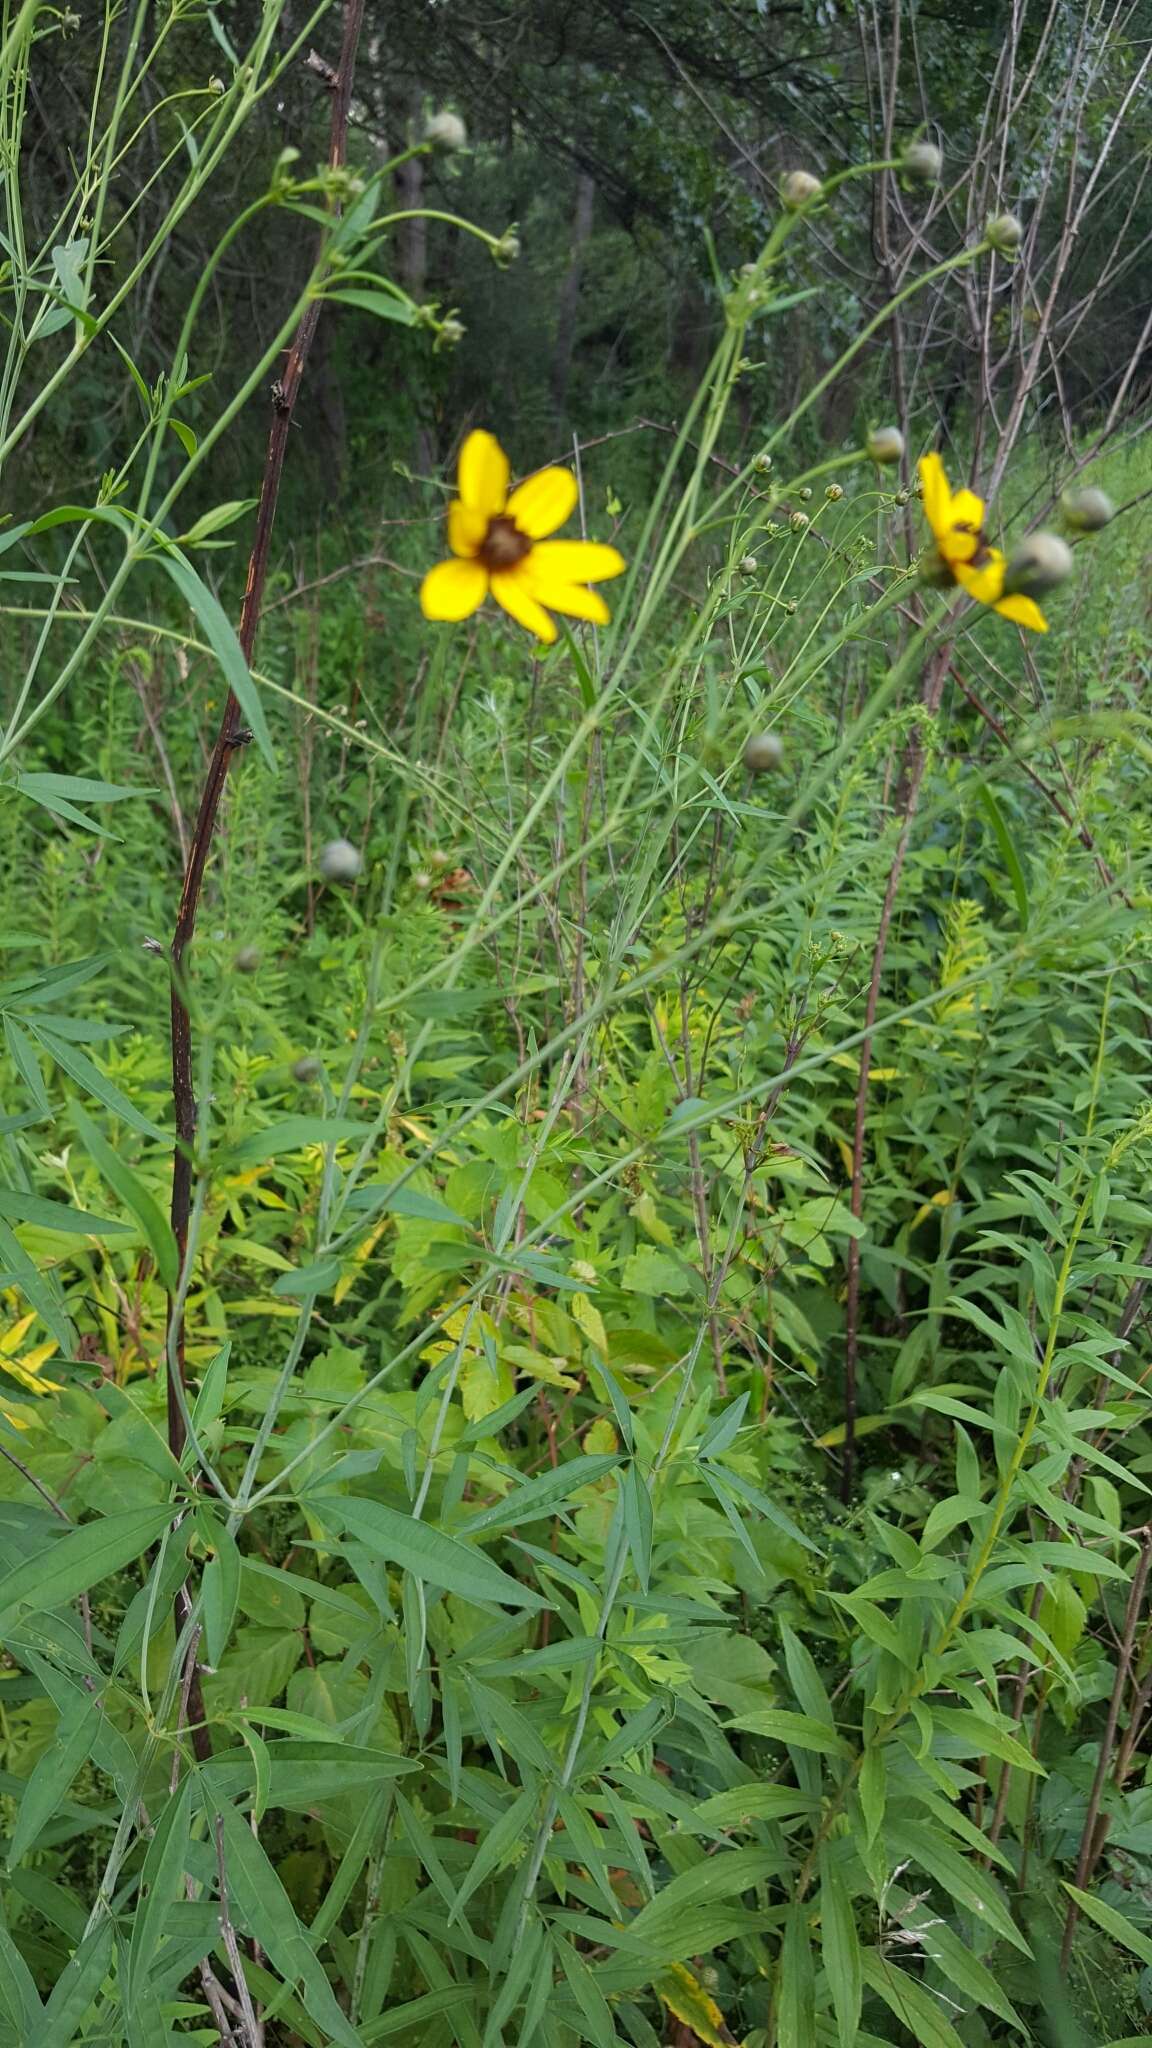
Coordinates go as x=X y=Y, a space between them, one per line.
x=688 y=2002
x=590 y=1320
x=648 y=1216
x=12 y=1339
x=601 y=1439
x=942 y=1199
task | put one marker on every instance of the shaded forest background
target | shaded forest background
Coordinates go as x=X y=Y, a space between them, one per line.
x=636 y=153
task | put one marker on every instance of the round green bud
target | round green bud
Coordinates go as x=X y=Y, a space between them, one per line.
x=798 y=188
x=247 y=960
x=833 y=493
x=804 y=494
x=798 y=522
x=885 y=444
x=306 y=1071
x=1038 y=564
x=445 y=132
x=763 y=753
x=762 y=464
x=340 y=861
x=1087 y=510
x=748 y=564
x=1005 y=233
x=923 y=160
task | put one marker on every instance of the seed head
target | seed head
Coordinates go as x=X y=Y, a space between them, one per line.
x=885 y=444
x=833 y=493
x=762 y=464
x=507 y=249
x=762 y=753
x=306 y=1071
x=798 y=188
x=804 y=494
x=450 y=333
x=748 y=564
x=421 y=879
x=1038 y=564
x=340 y=861
x=1087 y=510
x=923 y=160
x=1005 y=233
x=445 y=132
x=247 y=960
x=798 y=522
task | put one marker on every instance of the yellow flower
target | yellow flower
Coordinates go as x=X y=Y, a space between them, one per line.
x=499 y=544
x=963 y=555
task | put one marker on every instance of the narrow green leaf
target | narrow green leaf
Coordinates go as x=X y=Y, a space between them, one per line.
x=18 y=1995
x=1008 y=853
x=221 y=1591
x=840 y=1951
x=1113 y=1923
x=161 y=1881
x=267 y=1910
x=293 y=1134
x=79 y=1560
x=51 y=1777
x=22 y=1053
x=88 y=1076
x=799 y=1730
x=411 y=1546
x=586 y=1991
x=40 y=1290
x=539 y=1497
x=221 y=637
x=796 y=1988
x=76 y=1987
x=42 y=1212
x=907 y=1999
x=135 y=1196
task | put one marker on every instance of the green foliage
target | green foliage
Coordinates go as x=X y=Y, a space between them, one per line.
x=488 y=1624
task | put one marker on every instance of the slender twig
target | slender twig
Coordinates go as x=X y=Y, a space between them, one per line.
x=228 y=738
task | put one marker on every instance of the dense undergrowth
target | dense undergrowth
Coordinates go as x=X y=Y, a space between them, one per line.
x=560 y=1687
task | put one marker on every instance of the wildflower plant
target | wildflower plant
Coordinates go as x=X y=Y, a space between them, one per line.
x=444 y=1636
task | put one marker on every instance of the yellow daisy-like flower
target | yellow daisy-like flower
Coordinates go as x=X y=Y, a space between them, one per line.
x=499 y=543
x=963 y=554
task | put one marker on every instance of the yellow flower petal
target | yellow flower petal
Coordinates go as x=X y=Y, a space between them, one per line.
x=575 y=600
x=577 y=561
x=453 y=590
x=543 y=502
x=937 y=496
x=482 y=475
x=967 y=510
x=985 y=583
x=511 y=588
x=1023 y=611
x=466 y=529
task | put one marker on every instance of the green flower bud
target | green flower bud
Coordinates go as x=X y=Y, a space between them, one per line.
x=1087 y=510
x=833 y=493
x=247 y=960
x=1005 y=233
x=306 y=1071
x=922 y=160
x=762 y=753
x=748 y=564
x=1038 y=564
x=804 y=494
x=340 y=861
x=445 y=132
x=885 y=444
x=762 y=464
x=798 y=189
x=798 y=522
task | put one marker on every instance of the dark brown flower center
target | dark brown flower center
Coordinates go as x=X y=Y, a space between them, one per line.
x=504 y=545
